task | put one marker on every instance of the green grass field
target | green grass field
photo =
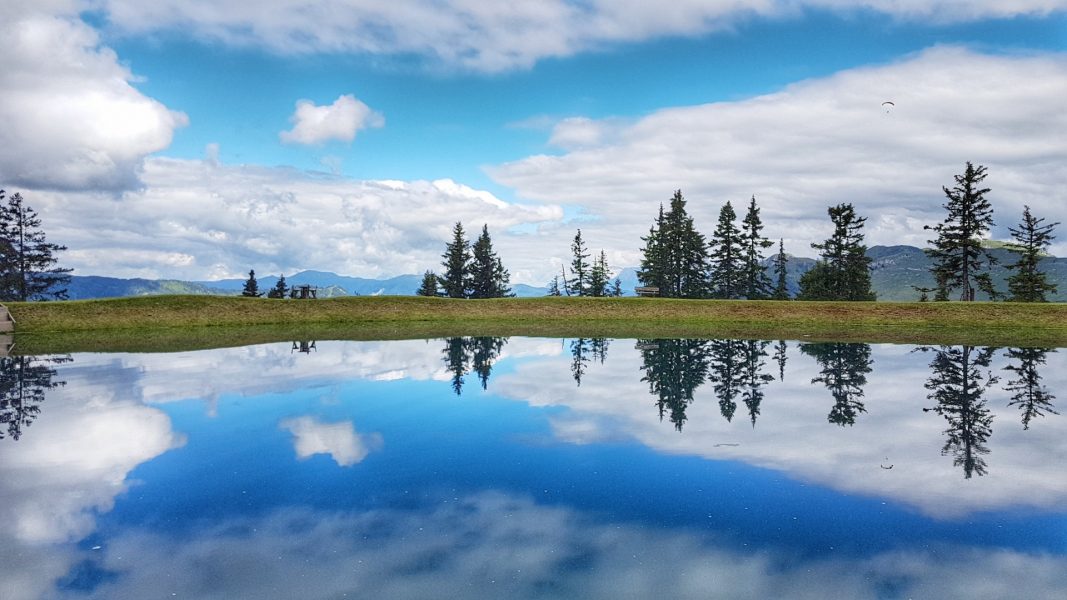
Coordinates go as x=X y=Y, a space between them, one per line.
x=163 y=323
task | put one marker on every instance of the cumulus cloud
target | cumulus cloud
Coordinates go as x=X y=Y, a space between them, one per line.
x=341 y=120
x=820 y=142
x=339 y=440
x=497 y=36
x=72 y=118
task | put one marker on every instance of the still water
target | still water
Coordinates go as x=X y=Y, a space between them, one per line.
x=512 y=468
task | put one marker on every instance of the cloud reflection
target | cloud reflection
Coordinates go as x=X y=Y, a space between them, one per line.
x=339 y=440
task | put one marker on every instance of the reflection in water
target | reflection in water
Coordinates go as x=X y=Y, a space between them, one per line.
x=1030 y=395
x=843 y=370
x=23 y=383
x=780 y=351
x=957 y=385
x=673 y=370
x=466 y=354
x=584 y=350
x=304 y=347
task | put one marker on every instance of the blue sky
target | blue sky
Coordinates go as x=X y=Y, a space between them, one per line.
x=154 y=138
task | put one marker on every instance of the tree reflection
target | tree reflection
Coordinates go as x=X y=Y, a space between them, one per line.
x=465 y=354
x=736 y=368
x=753 y=376
x=24 y=381
x=957 y=384
x=843 y=370
x=780 y=357
x=585 y=350
x=673 y=370
x=1032 y=398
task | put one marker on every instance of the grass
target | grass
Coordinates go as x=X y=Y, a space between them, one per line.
x=187 y=322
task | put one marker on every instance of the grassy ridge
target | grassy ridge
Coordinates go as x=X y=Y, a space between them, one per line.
x=180 y=322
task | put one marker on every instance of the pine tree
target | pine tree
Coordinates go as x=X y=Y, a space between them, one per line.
x=487 y=276
x=616 y=288
x=279 y=290
x=553 y=287
x=429 y=285
x=675 y=256
x=757 y=284
x=727 y=262
x=957 y=254
x=598 y=276
x=1028 y=283
x=457 y=264
x=844 y=269
x=843 y=369
x=781 y=263
x=27 y=261
x=1032 y=397
x=579 y=285
x=251 y=288
x=653 y=264
x=957 y=384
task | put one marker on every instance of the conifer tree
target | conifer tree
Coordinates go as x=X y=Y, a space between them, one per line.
x=844 y=269
x=616 y=288
x=675 y=254
x=598 y=276
x=957 y=384
x=487 y=276
x=781 y=262
x=579 y=285
x=27 y=261
x=279 y=290
x=727 y=262
x=429 y=285
x=251 y=288
x=757 y=284
x=653 y=262
x=957 y=255
x=553 y=287
x=1028 y=283
x=457 y=264
x=1032 y=397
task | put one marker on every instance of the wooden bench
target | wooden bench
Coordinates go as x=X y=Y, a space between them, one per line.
x=647 y=291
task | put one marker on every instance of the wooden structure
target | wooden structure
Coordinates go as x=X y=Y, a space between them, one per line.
x=7 y=329
x=304 y=347
x=303 y=292
x=647 y=291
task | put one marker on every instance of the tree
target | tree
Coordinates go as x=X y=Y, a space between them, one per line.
x=844 y=269
x=429 y=285
x=957 y=254
x=457 y=360
x=251 y=288
x=1032 y=397
x=727 y=372
x=754 y=275
x=598 y=276
x=1028 y=283
x=457 y=264
x=485 y=351
x=674 y=369
x=616 y=288
x=675 y=256
x=488 y=277
x=28 y=268
x=843 y=370
x=24 y=383
x=579 y=285
x=957 y=385
x=753 y=377
x=279 y=290
x=781 y=263
x=727 y=262
x=553 y=287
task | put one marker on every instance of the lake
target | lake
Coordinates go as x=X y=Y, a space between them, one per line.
x=541 y=468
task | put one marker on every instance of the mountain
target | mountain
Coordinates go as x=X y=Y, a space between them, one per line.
x=894 y=270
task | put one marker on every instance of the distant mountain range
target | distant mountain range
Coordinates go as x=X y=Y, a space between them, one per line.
x=894 y=270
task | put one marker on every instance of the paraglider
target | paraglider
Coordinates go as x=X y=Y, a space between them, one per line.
x=888 y=105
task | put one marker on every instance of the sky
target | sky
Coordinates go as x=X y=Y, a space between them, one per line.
x=197 y=139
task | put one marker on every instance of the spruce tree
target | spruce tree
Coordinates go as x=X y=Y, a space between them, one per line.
x=487 y=276
x=844 y=269
x=553 y=287
x=843 y=369
x=653 y=264
x=726 y=257
x=1028 y=283
x=616 y=288
x=781 y=263
x=1032 y=397
x=279 y=290
x=27 y=260
x=251 y=288
x=757 y=284
x=957 y=255
x=598 y=276
x=675 y=256
x=579 y=285
x=957 y=385
x=429 y=285
x=457 y=264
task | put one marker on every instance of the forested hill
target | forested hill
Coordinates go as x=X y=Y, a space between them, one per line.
x=895 y=269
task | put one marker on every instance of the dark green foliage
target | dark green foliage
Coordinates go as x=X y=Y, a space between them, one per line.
x=753 y=377
x=757 y=285
x=674 y=369
x=488 y=277
x=28 y=268
x=579 y=285
x=675 y=256
x=843 y=271
x=780 y=356
x=843 y=370
x=553 y=287
x=456 y=262
x=24 y=381
x=251 y=288
x=1028 y=283
x=616 y=288
x=280 y=290
x=726 y=366
x=478 y=354
x=957 y=253
x=584 y=350
x=598 y=277
x=1032 y=398
x=429 y=285
x=957 y=384
x=781 y=263
x=726 y=257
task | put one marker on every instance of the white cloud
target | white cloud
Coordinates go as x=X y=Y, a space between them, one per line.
x=72 y=119
x=497 y=36
x=821 y=142
x=341 y=120
x=339 y=440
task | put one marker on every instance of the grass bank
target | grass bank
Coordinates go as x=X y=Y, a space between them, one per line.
x=164 y=323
